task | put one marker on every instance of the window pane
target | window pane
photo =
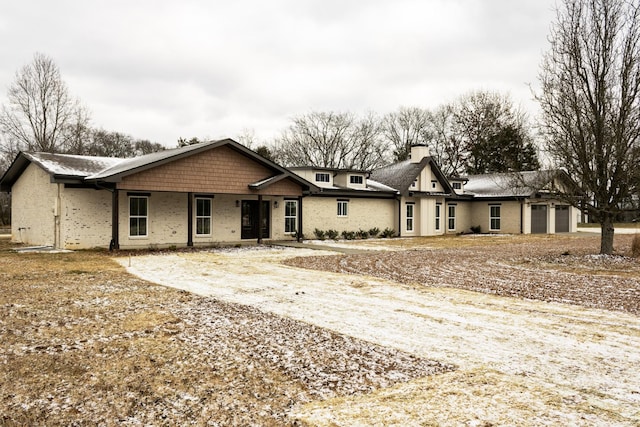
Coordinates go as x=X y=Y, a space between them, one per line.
x=289 y=225
x=138 y=206
x=142 y=227
x=342 y=208
x=133 y=226
x=203 y=225
x=290 y=208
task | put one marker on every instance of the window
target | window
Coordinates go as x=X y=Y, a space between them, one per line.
x=409 y=216
x=203 y=217
x=415 y=183
x=451 y=225
x=433 y=184
x=343 y=207
x=457 y=185
x=438 y=205
x=356 y=179
x=494 y=218
x=138 y=215
x=322 y=177
x=290 y=216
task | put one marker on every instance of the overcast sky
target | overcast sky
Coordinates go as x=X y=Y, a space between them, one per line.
x=163 y=69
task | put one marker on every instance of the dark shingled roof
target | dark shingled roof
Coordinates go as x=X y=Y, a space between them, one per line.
x=107 y=169
x=402 y=174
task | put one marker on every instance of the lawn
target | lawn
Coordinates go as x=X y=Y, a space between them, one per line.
x=82 y=342
x=435 y=331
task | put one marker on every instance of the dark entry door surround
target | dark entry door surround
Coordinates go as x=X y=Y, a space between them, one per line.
x=251 y=219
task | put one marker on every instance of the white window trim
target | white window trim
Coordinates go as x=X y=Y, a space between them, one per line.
x=294 y=216
x=438 y=217
x=449 y=217
x=410 y=219
x=358 y=178
x=139 y=236
x=318 y=174
x=344 y=212
x=210 y=216
x=491 y=217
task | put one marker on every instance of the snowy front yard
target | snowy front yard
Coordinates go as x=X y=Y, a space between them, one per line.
x=519 y=361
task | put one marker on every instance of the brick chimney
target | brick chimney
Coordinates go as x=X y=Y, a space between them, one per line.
x=418 y=152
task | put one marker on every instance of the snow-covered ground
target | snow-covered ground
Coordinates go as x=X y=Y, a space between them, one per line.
x=519 y=362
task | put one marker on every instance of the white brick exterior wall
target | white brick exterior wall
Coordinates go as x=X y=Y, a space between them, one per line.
x=322 y=213
x=33 y=208
x=85 y=218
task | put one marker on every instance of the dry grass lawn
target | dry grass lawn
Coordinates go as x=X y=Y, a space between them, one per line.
x=84 y=343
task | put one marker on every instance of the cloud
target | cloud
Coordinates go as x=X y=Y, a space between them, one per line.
x=164 y=69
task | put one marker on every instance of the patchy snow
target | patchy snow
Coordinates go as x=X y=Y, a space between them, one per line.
x=619 y=230
x=550 y=363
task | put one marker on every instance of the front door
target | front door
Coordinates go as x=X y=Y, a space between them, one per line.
x=250 y=219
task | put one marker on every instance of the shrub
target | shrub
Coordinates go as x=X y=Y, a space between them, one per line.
x=319 y=234
x=388 y=232
x=348 y=235
x=362 y=234
x=374 y=232
x=475 y=229
x=635 y=246
x=332 y=234
x=298 y=235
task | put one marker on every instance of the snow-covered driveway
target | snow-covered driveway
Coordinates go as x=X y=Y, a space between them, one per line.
x=519 y=362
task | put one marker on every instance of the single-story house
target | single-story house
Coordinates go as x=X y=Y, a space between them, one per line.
x=221 y=191
x=200 y=194
x=415 y=198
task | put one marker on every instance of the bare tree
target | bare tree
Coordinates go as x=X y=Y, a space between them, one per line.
x=76 y=135
x=590 y=101
x=446 y=143
x=39 y=107
x=329 y=139
x=406 y=127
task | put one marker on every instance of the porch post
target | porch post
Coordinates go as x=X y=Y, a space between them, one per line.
x=260 y=216
x=115 y=220
x=189 y=219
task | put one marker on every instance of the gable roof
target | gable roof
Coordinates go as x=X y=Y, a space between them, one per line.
x=512 y=184
x=59 y=166
x=89 y=169
x=402 y=174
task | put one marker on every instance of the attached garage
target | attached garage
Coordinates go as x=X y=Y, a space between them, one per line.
x=562 y=218
x=539 y=219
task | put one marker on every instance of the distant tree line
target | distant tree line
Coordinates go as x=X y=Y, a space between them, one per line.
x=41 y=115
x=480 y=132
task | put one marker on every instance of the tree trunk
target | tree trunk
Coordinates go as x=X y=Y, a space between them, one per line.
x=607 y=231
